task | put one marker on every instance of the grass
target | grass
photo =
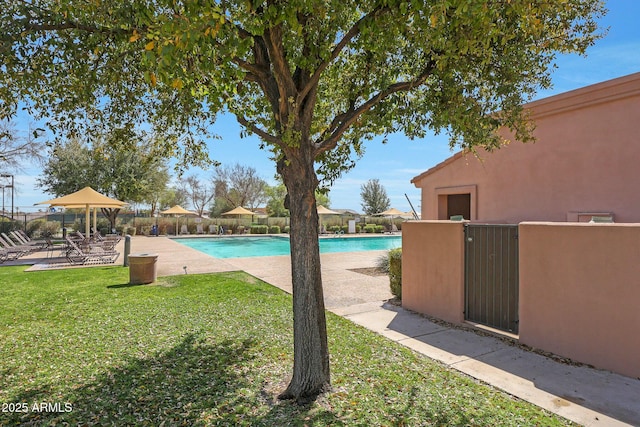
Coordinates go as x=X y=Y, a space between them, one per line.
x=209 y=350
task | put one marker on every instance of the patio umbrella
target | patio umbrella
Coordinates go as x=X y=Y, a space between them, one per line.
x=324 y=211
x=86 y=198
x=391 y=213
x=178 y=211
x=239 y=211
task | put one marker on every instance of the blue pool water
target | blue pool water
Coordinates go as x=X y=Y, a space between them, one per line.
x=239 y=247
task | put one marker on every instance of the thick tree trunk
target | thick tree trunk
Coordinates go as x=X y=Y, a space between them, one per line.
x=311 y=354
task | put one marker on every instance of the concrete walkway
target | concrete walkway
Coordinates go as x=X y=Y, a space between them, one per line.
x=587 y=396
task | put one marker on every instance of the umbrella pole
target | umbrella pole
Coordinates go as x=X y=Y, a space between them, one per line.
x=87 y=222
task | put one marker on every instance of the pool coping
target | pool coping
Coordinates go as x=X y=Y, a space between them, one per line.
x=283 y=235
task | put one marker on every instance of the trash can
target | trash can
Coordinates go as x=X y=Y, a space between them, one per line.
x=142 y=268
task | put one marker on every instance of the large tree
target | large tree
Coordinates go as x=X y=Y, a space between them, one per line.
x=238 y=185
x=314 y=79
x=130 y=173
x=198 y=192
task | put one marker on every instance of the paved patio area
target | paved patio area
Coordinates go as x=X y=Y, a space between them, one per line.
x=342 y=287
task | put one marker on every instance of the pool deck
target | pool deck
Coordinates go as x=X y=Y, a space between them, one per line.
x=342 y=287
x=584 y=395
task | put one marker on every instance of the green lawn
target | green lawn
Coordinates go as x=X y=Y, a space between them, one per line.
x=211 y=349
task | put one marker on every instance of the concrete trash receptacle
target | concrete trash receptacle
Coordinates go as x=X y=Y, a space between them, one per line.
x=142 y=268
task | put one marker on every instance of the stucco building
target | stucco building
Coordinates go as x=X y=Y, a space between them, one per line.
x=585 y=162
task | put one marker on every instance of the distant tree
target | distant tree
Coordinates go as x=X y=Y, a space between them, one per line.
x=322 y=198
x=219 y=206
x=173 y=196
x=158 y=180
x=199 y=193
x=374 y=197
x=16 y=149
x=129 y=175
x=239 y=185
x=275 y=200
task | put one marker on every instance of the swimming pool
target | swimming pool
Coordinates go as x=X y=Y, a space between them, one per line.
x=240 y=247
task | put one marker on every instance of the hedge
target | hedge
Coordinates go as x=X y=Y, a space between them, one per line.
x=274 y=229
x=259 y=229
x=395 y=272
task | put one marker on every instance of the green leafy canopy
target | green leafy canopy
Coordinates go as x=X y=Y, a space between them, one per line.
x=321 y=76
x=314 y=79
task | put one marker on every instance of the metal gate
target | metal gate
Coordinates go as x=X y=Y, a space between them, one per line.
x=491 y=275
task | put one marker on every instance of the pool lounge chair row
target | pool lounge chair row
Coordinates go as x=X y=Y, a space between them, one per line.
x=85 y=252
x=14 y=248
x=76 y=248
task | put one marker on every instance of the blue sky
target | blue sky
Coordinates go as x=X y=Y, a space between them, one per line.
x=398 y=161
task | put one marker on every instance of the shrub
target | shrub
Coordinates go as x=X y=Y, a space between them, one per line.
x=370 y=228
x=395 y=272
x=287 y=229
x=274 y=229
x=259 y=229
x=34 y=228
x=50 y=228
x=382 y=263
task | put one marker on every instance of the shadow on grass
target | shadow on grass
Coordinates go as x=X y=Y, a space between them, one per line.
x=194 y=383
x=125 y=285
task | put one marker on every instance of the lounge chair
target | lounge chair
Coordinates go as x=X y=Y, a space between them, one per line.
x=9 y=243
x=4 y=255
x=184 y=229
x=89 y=253
x=199 y=229
x=22 y=239
x=53 y=245
x=9 y=254
x=108 y=242
x=12 y=252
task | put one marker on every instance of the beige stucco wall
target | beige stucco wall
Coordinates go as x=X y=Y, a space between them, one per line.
x=580 y=292
x=586 y=159
x=579 y=286
x=433 y=268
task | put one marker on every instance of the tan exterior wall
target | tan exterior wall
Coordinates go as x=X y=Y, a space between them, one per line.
x=585 y=161
x=433 y=269
x=580 y=292
x=579 y=286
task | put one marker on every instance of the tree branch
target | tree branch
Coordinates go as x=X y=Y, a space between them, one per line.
x=255 y=129
x=282 y=74
x=346 y=39
x=350 y=116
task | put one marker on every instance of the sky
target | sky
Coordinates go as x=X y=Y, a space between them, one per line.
x=398 y=161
